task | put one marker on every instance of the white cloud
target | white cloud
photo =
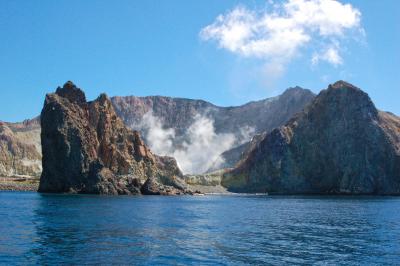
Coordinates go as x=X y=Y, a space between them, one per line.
x=330 y=55
x=278 y=33
x=201 y=146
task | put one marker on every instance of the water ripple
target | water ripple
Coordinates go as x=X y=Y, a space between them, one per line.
x=211 y=230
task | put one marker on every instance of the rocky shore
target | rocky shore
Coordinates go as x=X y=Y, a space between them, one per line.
x=19 y=184
x=32 y=184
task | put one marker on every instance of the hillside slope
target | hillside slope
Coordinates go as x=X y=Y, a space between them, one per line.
x=340 y=144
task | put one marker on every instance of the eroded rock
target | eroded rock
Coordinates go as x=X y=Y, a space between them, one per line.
x=340 y=144
x=20 y=153
x=88 y=149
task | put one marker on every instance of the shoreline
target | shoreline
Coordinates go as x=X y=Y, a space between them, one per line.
x=11 y=186
x=19 y=183
x=24 y=184
x=33 y=187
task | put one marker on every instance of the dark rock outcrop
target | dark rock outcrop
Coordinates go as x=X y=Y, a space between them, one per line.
x=340 y=144
x=152 y=186
x=88 y=149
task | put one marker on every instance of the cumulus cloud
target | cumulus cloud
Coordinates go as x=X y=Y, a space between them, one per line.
x=278 y=33
x=200 y=146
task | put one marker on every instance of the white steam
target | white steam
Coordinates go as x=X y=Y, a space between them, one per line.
x=200 y=146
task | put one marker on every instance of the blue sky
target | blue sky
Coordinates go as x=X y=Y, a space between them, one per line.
x=162 y=48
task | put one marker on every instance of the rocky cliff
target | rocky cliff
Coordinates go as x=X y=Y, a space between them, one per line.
x=340 y=144
x=174 y=113
x=20 y=151
x=240 y=122
x=88 y=149
x=178 y=113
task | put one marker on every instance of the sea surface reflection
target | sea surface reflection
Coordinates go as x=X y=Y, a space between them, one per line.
x=225 y=230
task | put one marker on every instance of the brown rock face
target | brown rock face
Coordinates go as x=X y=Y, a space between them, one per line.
x=20 y=153
x=340 y=144
x=88 y=149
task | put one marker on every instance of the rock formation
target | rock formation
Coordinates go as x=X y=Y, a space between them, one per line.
x=88 y=149
x=340 y=144
x=20 y=152
x=178 y=114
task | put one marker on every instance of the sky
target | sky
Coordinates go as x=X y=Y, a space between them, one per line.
x=227 y=52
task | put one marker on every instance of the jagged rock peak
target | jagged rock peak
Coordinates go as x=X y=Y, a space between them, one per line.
x=295 y=88
x=343 y=84
x=71 y=92
x=103 y=97
x=345 y=98
x=296 y=91
x=88 y=149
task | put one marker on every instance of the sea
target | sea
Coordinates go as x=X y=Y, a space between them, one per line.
x=57 y=229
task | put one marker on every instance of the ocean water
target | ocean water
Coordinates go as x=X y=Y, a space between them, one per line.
x=210 y=230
